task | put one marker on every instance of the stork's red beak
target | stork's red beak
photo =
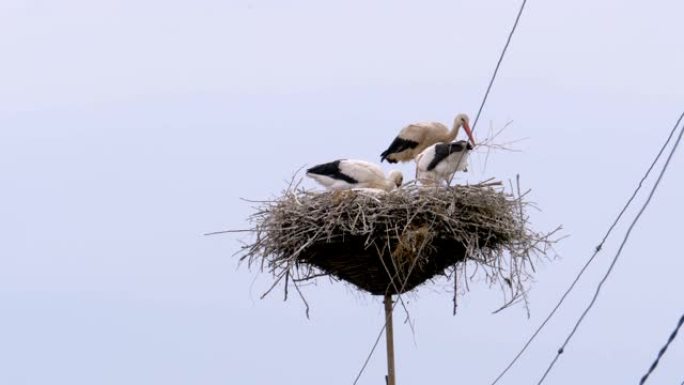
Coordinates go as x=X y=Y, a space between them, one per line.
x=466 y=127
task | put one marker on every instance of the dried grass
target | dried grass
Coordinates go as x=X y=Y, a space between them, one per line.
x=391 y=243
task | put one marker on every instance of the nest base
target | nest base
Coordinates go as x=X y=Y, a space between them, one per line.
x=376 y=271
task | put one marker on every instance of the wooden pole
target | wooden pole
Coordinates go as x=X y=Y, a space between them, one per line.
x=389 y=333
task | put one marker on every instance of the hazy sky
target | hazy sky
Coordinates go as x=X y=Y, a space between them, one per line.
x=130 y=128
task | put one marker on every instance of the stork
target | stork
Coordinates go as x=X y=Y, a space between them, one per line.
x=439 y=162
x=345 y=174
x=415 y=138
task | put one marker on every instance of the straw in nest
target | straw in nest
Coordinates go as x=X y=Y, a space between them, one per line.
x=390 y=243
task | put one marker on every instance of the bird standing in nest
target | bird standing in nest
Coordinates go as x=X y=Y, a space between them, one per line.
x=415 y=138
x=439 y=162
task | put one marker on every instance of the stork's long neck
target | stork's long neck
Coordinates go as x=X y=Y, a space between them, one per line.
x=454 y=131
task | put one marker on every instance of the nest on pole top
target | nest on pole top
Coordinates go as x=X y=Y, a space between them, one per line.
x=391 y=243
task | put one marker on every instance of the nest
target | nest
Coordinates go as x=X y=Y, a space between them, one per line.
x=391 y=243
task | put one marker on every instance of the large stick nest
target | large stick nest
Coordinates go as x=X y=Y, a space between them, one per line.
x=389 y=243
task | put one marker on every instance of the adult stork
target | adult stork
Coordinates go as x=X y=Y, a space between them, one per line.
x=344 y=174
x=415 y=138
x=441 y=161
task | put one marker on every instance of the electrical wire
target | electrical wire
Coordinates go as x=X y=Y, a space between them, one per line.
x=498 y=64
x=597 y=249
x=615 y=258
x=662 y=351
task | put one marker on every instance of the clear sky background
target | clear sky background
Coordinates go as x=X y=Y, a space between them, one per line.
x=130 y=128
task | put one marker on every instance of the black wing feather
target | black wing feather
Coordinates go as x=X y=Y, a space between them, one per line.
x=443 y=150
x=398 y=145
x=332 y=170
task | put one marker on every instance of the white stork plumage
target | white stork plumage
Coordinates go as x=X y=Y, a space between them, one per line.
x=415 y=138
x=349 y=173
x=439 y=162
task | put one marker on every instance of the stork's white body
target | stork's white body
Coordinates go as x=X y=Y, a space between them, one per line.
x=350 y=173
x=429 y=173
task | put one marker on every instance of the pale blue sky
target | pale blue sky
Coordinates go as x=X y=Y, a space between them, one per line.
x=130 y=128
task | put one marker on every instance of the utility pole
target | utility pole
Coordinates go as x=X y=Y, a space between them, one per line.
x=389 y=333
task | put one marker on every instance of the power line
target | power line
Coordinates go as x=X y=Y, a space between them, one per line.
x=597 y=249
x=662 y=351
x=498 y=64
x=370 y=355
x=615 y=258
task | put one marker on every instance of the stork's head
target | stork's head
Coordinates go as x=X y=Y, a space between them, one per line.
x=462 y=120
x=395 y=177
